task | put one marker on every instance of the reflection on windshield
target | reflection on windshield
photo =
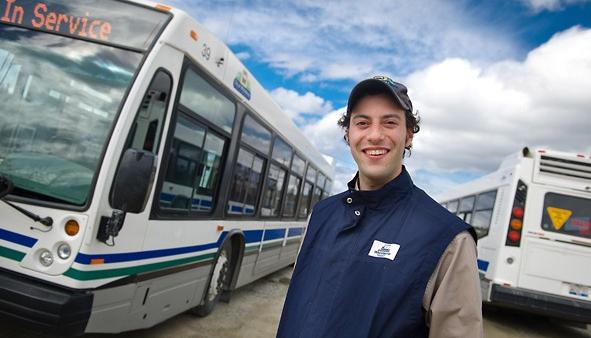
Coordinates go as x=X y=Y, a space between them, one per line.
x=58 y=97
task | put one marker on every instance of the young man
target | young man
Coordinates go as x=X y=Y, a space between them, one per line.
x=383 y=259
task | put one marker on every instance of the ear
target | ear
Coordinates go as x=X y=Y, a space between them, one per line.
x=409 y=138
x=346 y=136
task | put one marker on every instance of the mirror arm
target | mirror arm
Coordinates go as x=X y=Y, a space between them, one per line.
x=110 y=226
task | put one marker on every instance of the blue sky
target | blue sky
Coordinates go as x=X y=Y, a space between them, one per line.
x=488 y=77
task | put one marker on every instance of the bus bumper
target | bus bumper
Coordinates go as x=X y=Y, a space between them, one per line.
x=542 y=303
x=43 y=307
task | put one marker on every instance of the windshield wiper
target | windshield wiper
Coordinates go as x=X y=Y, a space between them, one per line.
x=6 y=187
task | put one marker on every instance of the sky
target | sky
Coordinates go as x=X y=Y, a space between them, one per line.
x=486 y=77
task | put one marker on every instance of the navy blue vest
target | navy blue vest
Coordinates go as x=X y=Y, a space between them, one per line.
x=338 y=290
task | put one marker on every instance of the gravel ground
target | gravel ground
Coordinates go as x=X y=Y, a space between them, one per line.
x=254 y=311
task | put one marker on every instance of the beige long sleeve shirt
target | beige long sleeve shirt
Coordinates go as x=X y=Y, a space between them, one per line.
x=452 y=300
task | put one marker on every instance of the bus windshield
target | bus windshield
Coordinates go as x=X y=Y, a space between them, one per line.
x=59 y=97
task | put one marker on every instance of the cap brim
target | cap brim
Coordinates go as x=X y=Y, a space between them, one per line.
x=373 y=86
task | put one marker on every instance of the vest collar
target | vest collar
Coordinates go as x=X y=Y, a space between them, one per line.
x=397 y=187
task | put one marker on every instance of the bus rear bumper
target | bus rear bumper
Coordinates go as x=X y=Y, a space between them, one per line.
x=43 y=307
x=542 y=303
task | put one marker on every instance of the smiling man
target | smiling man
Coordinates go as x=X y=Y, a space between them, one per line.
x=383 y=259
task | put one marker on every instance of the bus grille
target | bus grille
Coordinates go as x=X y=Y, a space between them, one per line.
x=565 y=167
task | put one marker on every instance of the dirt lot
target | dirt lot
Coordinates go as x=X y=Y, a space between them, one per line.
x=255 y=309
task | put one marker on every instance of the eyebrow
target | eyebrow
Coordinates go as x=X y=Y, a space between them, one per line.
x=388 y=116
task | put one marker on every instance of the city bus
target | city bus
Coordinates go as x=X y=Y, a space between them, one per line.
x=533 y=220
x=144 y=172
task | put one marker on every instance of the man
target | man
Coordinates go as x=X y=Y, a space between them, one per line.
x=383 y=259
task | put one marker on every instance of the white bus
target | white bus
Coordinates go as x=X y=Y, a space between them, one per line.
x=143 y=171
x=533 y=220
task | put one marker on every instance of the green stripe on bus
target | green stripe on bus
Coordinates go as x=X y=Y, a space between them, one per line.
x=11 y=254
x=293 y=240
x=272 y=245
x=251 y=248
x=100 y=274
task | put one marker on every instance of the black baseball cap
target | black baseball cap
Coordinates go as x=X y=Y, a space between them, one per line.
x=377 y=85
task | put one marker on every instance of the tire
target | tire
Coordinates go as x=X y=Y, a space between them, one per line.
x=218 y=281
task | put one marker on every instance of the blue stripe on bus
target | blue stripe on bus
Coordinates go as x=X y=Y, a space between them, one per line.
x=17 y=238
x=295 y=232
x=251 y=236
x=274 y=234
x=482 y=265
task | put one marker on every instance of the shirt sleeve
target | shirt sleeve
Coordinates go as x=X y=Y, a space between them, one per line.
x=453 y=300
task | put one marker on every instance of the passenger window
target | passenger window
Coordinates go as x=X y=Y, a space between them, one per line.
x=245 y=185
x=452 y=206
x=466 y=204
x=147 y=127
x=281 y=152
x=315 y=197
x=483 y=212
x=311 y=175
x=305 y=200
x=273 y=191
x=298 y=165
x=206 y=101
x=256 y=136
x=291 y=198
x=193 y=167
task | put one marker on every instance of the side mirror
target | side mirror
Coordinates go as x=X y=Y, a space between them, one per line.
x=133 y=181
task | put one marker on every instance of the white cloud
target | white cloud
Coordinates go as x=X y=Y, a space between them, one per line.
x=350 y=39
x=296 y=105
x=474 y=115
x=550 y=5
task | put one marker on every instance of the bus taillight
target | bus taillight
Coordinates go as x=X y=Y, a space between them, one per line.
x=517 y=213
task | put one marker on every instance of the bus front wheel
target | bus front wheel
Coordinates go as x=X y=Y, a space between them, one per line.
x=218 y=281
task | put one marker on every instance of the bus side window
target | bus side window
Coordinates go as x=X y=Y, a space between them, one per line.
x=147 y=128
x=307 y=192
x=248 y=175
x=245 y=186
x=483 y=209
x=465 y=209
x=452 y=206
x=298 y=168
x=273 y=194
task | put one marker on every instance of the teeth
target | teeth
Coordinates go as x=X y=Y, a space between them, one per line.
x=376 y=152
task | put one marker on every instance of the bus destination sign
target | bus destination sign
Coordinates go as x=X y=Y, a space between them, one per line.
x=103 y=21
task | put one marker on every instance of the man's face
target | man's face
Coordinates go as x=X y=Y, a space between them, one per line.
x=377 y=136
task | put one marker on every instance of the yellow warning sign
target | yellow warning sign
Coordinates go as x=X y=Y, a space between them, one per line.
x=558 y=216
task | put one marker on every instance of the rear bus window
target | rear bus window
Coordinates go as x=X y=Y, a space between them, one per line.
x=567 y=215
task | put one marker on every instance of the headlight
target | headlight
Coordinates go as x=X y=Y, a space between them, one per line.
x=64 y=251
x=46 y=258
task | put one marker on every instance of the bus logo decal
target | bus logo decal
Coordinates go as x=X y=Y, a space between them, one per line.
x=558 y=216
x=242 y=84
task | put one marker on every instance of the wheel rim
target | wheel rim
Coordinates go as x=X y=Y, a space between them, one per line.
x=216 y=285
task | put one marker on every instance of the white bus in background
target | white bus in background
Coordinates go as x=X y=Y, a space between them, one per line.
x=533 y=220
x=143 y=171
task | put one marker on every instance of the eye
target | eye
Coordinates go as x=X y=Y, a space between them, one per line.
x=361 y=123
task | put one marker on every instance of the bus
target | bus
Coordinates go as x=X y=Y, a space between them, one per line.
x=533 y=220
x=144 y=172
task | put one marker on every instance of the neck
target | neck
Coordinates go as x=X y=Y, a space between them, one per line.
x=368 y=183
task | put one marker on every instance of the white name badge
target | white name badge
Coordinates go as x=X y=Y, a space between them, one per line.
x=384 y=250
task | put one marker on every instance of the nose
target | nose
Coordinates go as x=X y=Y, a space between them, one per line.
x=375 y=133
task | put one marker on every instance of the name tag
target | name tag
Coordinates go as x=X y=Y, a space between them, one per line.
x=384 y=250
